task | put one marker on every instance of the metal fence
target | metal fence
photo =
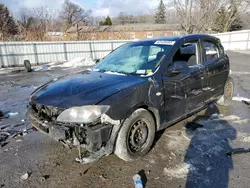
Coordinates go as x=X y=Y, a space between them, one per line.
x=237 y=40
x=14 y=53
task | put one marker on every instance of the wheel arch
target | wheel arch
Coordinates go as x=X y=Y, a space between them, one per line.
x=153 y=111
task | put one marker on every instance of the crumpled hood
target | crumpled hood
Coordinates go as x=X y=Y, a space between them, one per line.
x=88 y=88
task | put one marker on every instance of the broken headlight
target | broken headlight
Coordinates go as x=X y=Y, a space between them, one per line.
x=83 y=114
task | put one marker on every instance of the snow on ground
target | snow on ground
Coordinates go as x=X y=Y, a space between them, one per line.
x=179 y=171
x=238 y=98
x=79 y=62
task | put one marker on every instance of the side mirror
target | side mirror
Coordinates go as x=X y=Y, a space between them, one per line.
x=178 y=66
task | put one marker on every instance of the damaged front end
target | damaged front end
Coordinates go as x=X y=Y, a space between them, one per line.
x=81 y=127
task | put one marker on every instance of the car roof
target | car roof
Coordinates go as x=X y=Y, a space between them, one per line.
x=180 y=38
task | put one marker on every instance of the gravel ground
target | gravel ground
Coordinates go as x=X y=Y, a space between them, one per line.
x=179 y=158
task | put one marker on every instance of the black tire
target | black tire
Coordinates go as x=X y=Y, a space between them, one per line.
x=227 y=97
x=27 y=65
x=136 y=136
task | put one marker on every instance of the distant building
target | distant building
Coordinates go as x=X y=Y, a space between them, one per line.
x=129 y=31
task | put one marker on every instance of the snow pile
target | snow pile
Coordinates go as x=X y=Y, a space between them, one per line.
x=238 y=98
x=79 y=62
x=243 y=137
x=246 y=139
x=180 y=171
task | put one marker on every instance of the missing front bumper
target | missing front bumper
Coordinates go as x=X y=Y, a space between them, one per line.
x=93 y=138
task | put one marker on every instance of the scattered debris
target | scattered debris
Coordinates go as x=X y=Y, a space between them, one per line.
x=28 y=86
x=25 y=176
x=247 y=103
x=45 y=177
x=23 y=120
x=1 y=114
x=18 y=125
x=137 y=181
x=172 y=153
x=6 y=150
x=193 y=125
x=85 y=171
x=103 y=177
x=238 y=151
x=3 y=144
x=2 y=127
x=87 y=157
x=65 y=144
x=5 y=133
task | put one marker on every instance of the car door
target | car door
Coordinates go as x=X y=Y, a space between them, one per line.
x=217 y=64
x=184 y=90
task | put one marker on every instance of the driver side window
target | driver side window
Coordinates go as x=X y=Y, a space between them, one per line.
x=188 y=53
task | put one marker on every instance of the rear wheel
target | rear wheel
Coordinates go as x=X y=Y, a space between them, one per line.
x=227 y=97
x=136 y=136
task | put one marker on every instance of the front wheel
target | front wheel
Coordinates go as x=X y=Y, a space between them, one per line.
x=136 y=136
x=227 y=97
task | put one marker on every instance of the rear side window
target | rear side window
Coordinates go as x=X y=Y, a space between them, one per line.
x=212 y=52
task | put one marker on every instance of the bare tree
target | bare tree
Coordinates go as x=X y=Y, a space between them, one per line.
x=122 y=18
x=73 y=14
x=199 y=15
x=196 y=15
x=245 y=17
x=26 y=21
x=232 y=12
x=46 y=17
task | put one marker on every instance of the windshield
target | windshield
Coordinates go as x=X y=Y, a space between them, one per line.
x=136 y=58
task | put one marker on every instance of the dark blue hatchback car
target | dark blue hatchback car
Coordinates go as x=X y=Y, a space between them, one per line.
x=135 y=91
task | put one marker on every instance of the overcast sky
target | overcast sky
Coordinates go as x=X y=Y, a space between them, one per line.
x=99 y=7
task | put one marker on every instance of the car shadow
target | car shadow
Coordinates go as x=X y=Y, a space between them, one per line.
x=144 y=178
x=208 y=163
